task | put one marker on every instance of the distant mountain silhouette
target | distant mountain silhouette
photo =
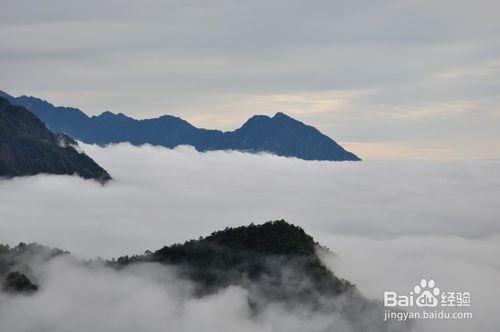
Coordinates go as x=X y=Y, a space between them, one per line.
x=280 y=134
x=27 y=147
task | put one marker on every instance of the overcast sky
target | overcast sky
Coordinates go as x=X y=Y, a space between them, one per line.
x=387 y=79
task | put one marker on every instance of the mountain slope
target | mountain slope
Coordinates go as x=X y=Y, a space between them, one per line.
x=280 y=134
x=276 y=264
x=27 y=147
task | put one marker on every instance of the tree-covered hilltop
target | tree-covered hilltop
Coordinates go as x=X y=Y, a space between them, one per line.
x=275 y=261
x=27 y=147
x=16 y=265
x=18 y=282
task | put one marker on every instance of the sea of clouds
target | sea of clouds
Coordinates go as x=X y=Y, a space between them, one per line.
x=390 y=223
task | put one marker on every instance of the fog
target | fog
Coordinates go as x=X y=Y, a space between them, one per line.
x=389 y=223
x=148 y=297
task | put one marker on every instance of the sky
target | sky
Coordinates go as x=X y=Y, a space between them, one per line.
x=389 y=224
x=386 y=79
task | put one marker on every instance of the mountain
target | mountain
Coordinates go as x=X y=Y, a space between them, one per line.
x=276 y=263
x=27 y=147
x=250 y=255
x=280 y=134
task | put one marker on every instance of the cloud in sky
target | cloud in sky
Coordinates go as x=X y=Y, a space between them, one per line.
x=390 y=224
x=218 y=62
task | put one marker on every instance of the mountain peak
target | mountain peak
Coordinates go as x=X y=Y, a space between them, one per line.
x=110 y=116
x=281 y=115
x=106 y=114
x=272 y=238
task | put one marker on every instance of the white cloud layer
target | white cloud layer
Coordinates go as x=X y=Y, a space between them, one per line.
x=391 y=223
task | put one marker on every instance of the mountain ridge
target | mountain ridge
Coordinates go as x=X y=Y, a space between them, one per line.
x=280 y=134
x=27 y=147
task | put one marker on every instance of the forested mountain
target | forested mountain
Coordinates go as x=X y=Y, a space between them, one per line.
x=276 y=263
x=280 y=134
x=27 y=147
